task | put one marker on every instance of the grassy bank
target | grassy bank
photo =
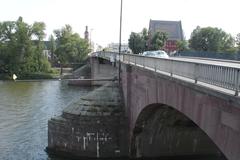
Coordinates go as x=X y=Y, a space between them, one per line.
x=38 y=76
x=53 y=74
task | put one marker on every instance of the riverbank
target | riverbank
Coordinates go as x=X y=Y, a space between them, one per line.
x=53 y=74
x=31 y=76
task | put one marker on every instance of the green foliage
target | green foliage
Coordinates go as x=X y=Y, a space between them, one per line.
x=238 y=42
x=21 y=47
x=182 y=45
x=158 y=41
x=211 y=39
x=136 y=43
x=145 y=34
x=71 y=47
x=140 y=42
x=52 y=47
x=38 y=75
x=54 y=71
x=4 y=76
x=238 y=39
x=38 y=30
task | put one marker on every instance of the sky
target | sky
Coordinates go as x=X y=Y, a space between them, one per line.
x=102 y=16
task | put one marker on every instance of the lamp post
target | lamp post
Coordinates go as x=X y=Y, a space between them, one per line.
x=90 y=39
x=119 y=51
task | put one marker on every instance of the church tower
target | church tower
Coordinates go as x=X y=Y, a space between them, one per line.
x=86 y=34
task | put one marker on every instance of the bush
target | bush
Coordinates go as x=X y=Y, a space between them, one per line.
x=5 y=76
x=38 y=75
x=54 y=71
x=45 y=66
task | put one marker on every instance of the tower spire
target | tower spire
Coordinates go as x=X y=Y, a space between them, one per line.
x=86 y=34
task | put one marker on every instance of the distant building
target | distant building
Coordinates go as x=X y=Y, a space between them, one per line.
x=114 y=47
x=47 y=51
x=172 y=28
x=46 y=48
x=47 y=54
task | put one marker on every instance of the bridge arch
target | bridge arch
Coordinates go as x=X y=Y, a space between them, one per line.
x=162 y=131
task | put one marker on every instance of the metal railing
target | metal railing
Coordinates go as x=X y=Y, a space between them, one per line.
x=221 y=76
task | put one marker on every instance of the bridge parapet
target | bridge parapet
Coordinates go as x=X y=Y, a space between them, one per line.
x=227 y=77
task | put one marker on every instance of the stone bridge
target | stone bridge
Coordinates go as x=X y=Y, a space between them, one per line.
x=182 y=109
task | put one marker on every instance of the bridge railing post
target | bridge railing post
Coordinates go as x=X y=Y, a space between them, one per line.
x=196 y=70
x=143 y=62
x=155 y=65
x=171 y=68
x=237 y=83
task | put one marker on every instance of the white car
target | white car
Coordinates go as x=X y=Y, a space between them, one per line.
x=158 y=54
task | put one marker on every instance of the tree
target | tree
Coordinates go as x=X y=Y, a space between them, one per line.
x=6 y=30
x=140 y=42
x=52 y=47
x=145 y=37
x=38 y=33
x=71 y=47
x=182 y=45
x=136 y=43
x=211 y=39
x=238 y=39
x=238 y=42
x=21 y=47
x=38 y=30
x=158 y=41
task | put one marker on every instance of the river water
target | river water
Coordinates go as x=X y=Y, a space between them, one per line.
x=25 y=108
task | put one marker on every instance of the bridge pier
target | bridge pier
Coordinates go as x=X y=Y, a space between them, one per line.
x=93 y=126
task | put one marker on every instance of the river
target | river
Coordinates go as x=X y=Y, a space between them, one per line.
x=25 y=108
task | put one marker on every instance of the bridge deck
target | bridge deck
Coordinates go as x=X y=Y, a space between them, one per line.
x=225 y=63
x=219 y=73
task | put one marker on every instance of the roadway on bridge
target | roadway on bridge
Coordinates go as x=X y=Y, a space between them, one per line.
x=226 y=63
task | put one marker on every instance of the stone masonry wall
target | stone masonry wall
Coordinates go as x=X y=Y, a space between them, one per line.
x=86 y=136
x=93 y=126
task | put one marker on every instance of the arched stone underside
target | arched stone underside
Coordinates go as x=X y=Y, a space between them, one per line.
x=162 y=131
